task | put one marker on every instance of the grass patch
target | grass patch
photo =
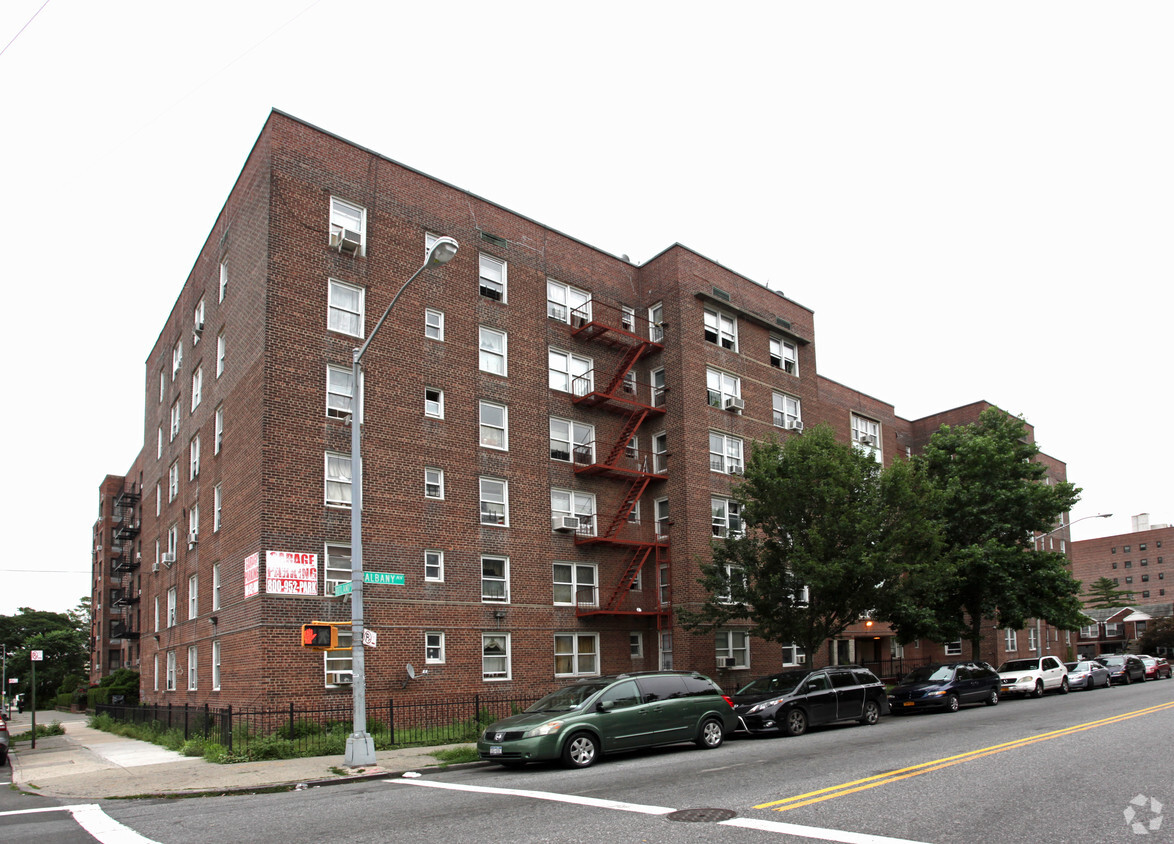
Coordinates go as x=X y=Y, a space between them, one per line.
x=456 y=755
x=43 y=731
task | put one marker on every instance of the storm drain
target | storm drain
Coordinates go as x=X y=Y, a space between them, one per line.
x=701 y=815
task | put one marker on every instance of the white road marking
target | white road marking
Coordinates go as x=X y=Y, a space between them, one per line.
x=92 y=819
x=747 y=823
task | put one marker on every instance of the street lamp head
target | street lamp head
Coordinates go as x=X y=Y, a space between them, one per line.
x=442 y=252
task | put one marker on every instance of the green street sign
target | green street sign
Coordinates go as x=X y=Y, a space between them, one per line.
x=383 y=578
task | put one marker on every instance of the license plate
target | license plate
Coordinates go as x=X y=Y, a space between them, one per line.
x=908 y=703
x=495 y=750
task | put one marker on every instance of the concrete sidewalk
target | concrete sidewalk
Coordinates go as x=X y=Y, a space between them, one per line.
x=88 y=764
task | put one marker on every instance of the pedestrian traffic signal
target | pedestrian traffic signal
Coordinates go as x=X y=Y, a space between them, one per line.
x=320 y=637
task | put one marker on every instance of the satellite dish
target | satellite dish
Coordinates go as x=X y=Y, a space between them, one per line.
x=411 y=671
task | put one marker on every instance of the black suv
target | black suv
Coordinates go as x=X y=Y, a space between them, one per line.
x=791 y=701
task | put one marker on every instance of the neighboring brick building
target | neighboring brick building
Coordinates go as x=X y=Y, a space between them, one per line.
x=549 y=436
x=1136 y=562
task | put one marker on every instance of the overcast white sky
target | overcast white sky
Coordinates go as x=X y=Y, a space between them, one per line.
x=974 y=198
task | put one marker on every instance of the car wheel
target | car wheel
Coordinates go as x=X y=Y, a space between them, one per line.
x=992 y=698
x=712 y=734
x=1038 y=691
x=1064 y=686
x=795 y=723
x=952 y=703
x=580 y=750
x=871 y=713
x=1128 y=678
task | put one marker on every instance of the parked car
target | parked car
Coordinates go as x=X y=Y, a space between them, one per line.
x=791 y=701
x=1087 y=674
x=945 y=686
x=1033 y=676
x=1123 y=669
x=1156 y=668
x=602 y=715
x=5 y=739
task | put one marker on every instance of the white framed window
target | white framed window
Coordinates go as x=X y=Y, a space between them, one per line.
x=570 y=373
x=660 y=453
x=566 y=303
x=193 y=522
x=666 y=650
x=493 y=348
x=347 y=217
x=219 y=430
x=727 y=518
x=636 y=645
x=495 y=579
x=338 y=664
x=434 y=324
x=159 y=447
x=197 y=321
x=171 y=599
x=434 y=566
x=345 y=308
x=217 y=508
x=434 y=403
x=1032 y=639
x=193 y=596
x=337 y=568
x=787 y=412
x=494 y=425
x=628 y=318
x=658 y=388
x=173 y=481
x=721 y=387
x=732 y=648
x=338 y=479
x=656 y=322
x=162 y=385
x=575 y=585
x=572 y=441
x=721 y=329
x=156 y=597
x=734 y=575
x=433 y=647
x=495 y=656
x=158 y=498
x=172 y=540
x=433 y=482
x=194 y=458
x=576 y=654
x=176 y=358
x=866 y=436
x=223 y=280
x=175 y=416
x=634 y=516
x=495 y=502
x=193 y=662
x=215 y=587
x=492 y=284
x=896 y=649
x=954 y=648
x=340 y=391
x=197 y=387
x=660 y=514
x=1010 y=640
x=221 y=350
x=725 y=453
x=215 y=665
x=171 y=671
x=565 y=503
x=784 y=355
x=793 y=654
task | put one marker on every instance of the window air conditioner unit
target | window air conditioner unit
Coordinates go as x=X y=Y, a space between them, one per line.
x=198 y=327
x=867 y=439
x=795 y=425
x=566 y=523
x=154 y=567
x=348 y=241
x=730 y=661
x=736 y=404
x=193 y=538
x=168 y=558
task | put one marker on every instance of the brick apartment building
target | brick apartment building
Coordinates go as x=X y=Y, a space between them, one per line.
x=550 y=433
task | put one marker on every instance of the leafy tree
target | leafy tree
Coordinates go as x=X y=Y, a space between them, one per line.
x=1104 y=594
x=63 y=639
x=991 y=499
x=1158 y=637
x=826 y=531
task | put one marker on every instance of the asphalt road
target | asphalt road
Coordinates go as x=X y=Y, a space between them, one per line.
x=1060 y=769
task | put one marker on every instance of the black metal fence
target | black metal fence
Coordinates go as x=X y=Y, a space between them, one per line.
x=301 y=731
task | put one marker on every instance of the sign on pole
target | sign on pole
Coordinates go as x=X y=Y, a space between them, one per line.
x=369 y=637
x=380 y=578
x=37 y=656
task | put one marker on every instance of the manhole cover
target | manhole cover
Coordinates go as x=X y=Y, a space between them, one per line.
x=701 y=815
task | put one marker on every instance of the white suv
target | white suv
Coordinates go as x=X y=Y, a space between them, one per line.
x=1033 y=676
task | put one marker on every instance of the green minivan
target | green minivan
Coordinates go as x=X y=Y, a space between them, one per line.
x=599 y=715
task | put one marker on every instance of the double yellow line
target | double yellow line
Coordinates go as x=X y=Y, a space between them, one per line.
x=811 y=797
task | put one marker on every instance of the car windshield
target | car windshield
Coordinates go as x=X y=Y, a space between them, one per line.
x=929 y=674
x=1020 y=665
x=564 y=700
x=1076 y=666
x=775 y=683
x=1113 y=660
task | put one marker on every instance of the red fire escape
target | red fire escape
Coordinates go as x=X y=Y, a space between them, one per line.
x=620 y=392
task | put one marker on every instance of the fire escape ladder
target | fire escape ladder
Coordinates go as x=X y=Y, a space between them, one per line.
x=629 y=360
x=635 y=419
x=635 y=564
x=621 y=517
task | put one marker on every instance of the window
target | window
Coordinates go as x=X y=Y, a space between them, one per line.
x=1112 y=628
x=575 y=585
x=572 y=440
x=223 y=279
x=727 y=518
x=194 y=458
x=666 y=650
x=217 y=507
x=656 y=322
x=567 y=304
x=219 y=438
x=338 y=479
x=660 y=453
x=215 y=587
x=784 y=355
x=866 y=436
x=495 y=656
x=663 y=585
x=434 y=402
x=570 y=373
x=721 y=387
x=1032 y=639
x=215 y=665
x=172 y=540
x=171 y=596
x=338 y=567
x=176 y=358
x=636 y=645
x=1145 y=578
x=495 y=580
x=576 y=654
x=338 y=664
x=434 y=566
x=159 y=446
x=786 y=411
x=158 y=499
x=340 y=392
x=954 y=648
x=565 y=503
x=658 y=388
x=433 y=648
x=732 y=648
x=197 y=321
x=174 y=419
x=495 y=509
x=162 y=385
x=193 y=523
x=434 y=324
x=493 y=351
x=734 y=575
x=344 y=218
x=345 y=308
x=171 y=671
x=193 y=596
x=661 y=515
x=433 y=482
x=156 y=603
x=192 y=662
x=220 y=351
x=1010 y=640
x=493 y=278
x=725 y=453
x=197 y=386
x=721 y=329
x=494 y=426
x=173 y=481
x=794 y=655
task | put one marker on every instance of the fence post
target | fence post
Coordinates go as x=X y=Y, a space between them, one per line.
x=230 y=731
x=391 y=719
x=477 y=708
x=205 y=721
x=291 y=720
x=185 y=721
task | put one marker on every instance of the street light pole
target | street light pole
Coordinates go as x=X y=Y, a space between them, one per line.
x=1039 y=645
x=360 y=747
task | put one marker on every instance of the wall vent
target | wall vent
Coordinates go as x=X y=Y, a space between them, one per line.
x=494 y=239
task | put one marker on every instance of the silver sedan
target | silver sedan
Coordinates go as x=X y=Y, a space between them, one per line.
x=1087 y=674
